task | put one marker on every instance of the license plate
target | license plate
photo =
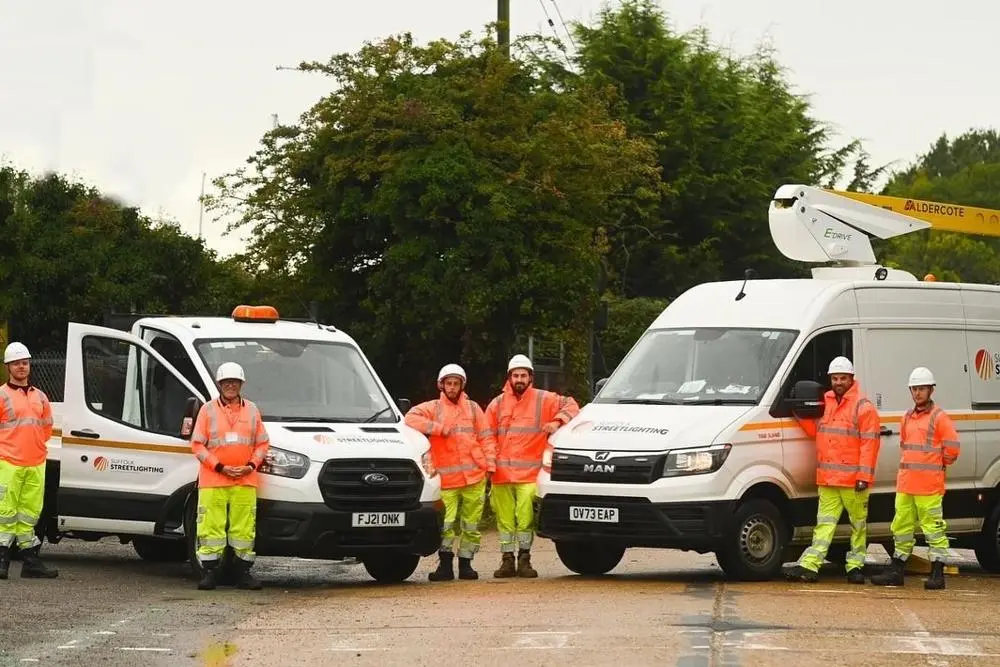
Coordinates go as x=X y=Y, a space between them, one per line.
x=596 y=514
x=378 y=519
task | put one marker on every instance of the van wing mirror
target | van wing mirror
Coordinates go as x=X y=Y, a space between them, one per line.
x=599 y=385
x=806 y=399
x=403 y=404
x=191 y=411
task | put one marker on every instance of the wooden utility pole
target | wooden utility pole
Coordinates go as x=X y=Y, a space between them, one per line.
x=503 y=27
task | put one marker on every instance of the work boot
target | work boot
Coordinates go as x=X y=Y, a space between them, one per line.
x=524 y=569
x=507 y=568
x=800 y=574
x=893 y=575
x=446 y=567
x=244 y=579
x=34 y=568
x=465 y=570
x=856 y=576
x=209 y=576
x=4 y=562
x=936 y=581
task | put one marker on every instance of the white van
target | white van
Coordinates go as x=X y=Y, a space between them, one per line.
x=345 y=476
x=692 y=443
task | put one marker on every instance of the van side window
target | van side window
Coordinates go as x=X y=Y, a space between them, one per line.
x=814 y=361
x=172 y=350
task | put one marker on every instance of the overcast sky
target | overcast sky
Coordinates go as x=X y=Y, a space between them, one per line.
x=139 y=97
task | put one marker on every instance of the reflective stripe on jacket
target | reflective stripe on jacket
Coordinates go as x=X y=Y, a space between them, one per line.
x=847 y=439
x=929 y=442
x=463 y=448
x=25 y=425
x=228 y=435
x=517 y=423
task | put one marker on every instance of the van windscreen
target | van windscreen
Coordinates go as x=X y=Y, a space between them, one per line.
x=706 y=366
x=302 y=380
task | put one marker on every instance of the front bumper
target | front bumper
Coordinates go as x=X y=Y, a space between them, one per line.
x=697 y=526
x=313 y=530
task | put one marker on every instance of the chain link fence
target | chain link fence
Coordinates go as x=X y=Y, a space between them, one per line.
x=48 y=373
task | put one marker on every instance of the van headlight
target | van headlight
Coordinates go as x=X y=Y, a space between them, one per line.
x=283 y=463
x=428 y=464
x=695 y=461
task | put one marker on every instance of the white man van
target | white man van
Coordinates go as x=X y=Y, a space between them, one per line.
x=345 y=476
x=693 y=443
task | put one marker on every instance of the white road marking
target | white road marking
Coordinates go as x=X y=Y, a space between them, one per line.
x=143 y=648
x=541 y=640
x=827 y=590
x=70 y=644
x=105 y=632
x=352 y=643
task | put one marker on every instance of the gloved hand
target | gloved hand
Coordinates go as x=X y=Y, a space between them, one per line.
x=860 y=485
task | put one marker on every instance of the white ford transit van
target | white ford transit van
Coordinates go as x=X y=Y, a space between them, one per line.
x=345 y=476
x=692 y=442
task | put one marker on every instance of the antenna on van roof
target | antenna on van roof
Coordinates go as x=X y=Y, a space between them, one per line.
x=748 y=274
x=810 y=224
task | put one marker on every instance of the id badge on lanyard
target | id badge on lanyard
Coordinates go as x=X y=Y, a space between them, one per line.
x=232 y=437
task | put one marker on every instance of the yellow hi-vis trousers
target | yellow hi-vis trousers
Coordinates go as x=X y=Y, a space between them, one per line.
x=833 y=501
x=513 y=505
x=215 y=505
x=928 y=513
x=22 y=491
x=464 y=504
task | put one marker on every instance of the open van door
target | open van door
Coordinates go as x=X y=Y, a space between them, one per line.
x=123 y=452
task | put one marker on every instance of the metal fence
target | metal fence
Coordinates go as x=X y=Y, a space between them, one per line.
x=48 y=373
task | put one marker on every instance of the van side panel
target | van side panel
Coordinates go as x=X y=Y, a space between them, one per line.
x=982 y=310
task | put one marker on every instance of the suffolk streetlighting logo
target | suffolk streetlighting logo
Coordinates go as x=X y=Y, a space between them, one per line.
x=102 y=464
x=987 y=365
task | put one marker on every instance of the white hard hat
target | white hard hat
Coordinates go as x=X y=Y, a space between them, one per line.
x=841 y=365
x=519 y=361
x=921 y=377
x=451 y=369
x=230 y=371
x=15 y=352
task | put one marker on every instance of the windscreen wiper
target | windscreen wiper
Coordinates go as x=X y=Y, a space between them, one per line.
x=311 y=420
x=650 y=401
x=378 y=414
x=721 y=401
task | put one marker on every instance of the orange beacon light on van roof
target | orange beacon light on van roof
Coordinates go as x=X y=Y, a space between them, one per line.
x=244 y=313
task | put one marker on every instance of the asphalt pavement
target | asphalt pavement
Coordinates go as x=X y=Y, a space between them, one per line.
x=656 y=608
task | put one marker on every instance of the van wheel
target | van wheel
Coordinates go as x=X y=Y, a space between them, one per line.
x=159 y=550
x=754 y=550
x=988 y=543
x=589 y=558
x=391 y=568
x=227 y=572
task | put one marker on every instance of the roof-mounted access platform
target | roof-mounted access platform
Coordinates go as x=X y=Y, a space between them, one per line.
x=815 y=225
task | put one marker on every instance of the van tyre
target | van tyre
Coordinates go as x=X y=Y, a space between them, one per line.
x=158 y=550
x=391 y=568
x=589 y=558
x=753 y=550
x=988 y=543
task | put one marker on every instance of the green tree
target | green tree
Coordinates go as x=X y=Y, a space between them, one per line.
x=965 y=170
x=728 y=131
x=443 y=201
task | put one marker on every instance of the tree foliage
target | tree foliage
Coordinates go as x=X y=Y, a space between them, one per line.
x=442 y=202
x=70 y=253
x=966 y=171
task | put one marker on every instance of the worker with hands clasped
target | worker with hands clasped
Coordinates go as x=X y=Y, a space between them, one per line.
x=523 y=418
x=231 y=443
x=929 y=443
x=847 y=446
x=25 y=427
x=463 y=452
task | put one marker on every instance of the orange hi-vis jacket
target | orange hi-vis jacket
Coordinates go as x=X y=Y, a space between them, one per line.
x=25 y=425
x=463 y=448
x=229 y=435
x=847 y=439
x=517 y=423
x=929 y=442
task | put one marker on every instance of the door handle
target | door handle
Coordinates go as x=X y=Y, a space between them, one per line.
x=86 y=433
x=885 y=430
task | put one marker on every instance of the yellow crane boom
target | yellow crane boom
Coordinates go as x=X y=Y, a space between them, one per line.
x=940 y=216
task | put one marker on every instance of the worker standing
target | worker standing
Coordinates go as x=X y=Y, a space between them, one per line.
x=523 y=418
x=847 y=446
x=25 y=427
x=929 y=443
x=231 y=443
x=463 y=451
